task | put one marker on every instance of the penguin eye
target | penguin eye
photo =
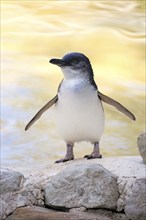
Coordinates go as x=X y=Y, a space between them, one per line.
x=78 y=64
x=83 y=64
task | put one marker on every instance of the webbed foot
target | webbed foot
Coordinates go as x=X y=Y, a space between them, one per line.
x=93 y=156
x=63 y=160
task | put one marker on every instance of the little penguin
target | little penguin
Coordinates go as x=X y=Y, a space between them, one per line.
x=78 y=105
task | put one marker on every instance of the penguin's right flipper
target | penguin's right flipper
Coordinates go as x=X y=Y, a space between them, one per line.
x=116 y=104
x=41 y=111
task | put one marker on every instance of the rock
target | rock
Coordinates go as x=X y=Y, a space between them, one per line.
x=88 y=185
x=129 y=166
x=131 y=176
x=10 y=181
x=141 y=142
x=132 y=197
x=39 y=213
x=3 y=207
x=108 y=215
x=101 y=214
x=15 y=192
x=135 y=202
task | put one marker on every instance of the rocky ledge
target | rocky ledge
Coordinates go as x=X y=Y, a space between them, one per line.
x=99 y=189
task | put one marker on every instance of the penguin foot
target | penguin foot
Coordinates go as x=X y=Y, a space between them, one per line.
x=69 y=154
x=63 y=160
x=96 y=152
x=93 y=156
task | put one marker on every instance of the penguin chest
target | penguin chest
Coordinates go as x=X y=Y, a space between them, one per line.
x=79 y=115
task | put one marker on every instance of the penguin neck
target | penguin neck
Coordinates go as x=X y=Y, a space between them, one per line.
x=76 y=76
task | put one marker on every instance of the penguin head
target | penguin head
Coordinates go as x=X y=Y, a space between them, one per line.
x=73 y=64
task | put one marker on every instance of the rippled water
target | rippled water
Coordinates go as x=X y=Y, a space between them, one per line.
x=111 y=33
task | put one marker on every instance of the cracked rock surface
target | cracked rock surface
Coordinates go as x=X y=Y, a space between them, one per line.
x=17 y=192
x=88 y=185
x=109 y=189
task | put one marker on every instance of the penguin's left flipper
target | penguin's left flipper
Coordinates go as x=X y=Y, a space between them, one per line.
x=41 y=111
x=116 y=104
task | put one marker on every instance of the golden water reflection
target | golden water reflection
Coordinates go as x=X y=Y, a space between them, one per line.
x=111 y=33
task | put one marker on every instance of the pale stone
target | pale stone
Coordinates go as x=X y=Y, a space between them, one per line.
x=135 y=202
x=88 y=185
x=141 y=142
x=3 y=207
x=10 y=181
x=16 y=192
x=127 y=169
x=130 y=166
x=132 y=197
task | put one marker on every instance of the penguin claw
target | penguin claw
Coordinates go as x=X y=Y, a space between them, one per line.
x=91 y=156
x=63 y=160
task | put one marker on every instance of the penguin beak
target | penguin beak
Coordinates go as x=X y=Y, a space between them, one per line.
x=59 y=62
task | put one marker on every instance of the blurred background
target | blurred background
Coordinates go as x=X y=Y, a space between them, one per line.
x=111 y=33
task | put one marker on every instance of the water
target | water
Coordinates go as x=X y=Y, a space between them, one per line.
x=111 y=33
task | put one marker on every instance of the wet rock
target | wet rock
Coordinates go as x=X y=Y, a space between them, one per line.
x=88 y=185
x=10 y=181
x=141 y=142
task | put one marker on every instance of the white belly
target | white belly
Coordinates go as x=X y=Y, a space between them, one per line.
x=79 y=115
